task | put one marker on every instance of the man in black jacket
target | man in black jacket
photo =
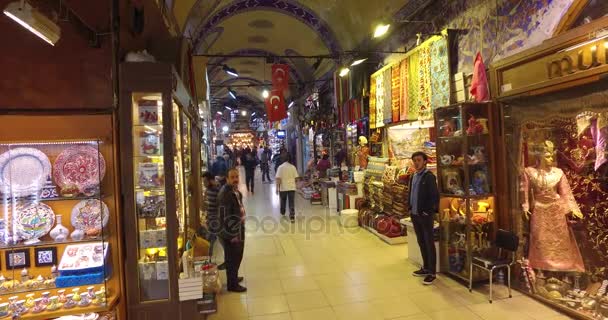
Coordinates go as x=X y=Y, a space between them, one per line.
x=424 y=203
x=232 y=234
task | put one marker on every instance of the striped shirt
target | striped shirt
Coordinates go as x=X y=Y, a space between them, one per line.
x=211 y=202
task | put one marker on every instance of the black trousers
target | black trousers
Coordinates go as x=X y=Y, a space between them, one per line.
x=423 y=226
x=249 y=179
x=265 y=172
x=288 y=195
x=233 y=253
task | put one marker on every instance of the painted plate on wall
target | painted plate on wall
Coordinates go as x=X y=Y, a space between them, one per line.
x=81 y=166
x=23 y=171
x=34 y=221
x=90 y=214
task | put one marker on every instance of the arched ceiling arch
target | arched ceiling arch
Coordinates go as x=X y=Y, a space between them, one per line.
x=291 y=8
x=278 y=28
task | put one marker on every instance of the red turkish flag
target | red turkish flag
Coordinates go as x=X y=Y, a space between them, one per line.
x=275 y=106
x=280 y=76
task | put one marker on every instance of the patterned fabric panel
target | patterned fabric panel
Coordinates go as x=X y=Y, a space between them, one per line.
x=413 y=87
x=396 y=92
x=440 y=74
x=424 y=85
x=388 y=95
x=380 y=101
x=403 y=98
x=372 y=103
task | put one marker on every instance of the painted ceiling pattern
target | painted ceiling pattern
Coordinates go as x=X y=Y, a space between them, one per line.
x=276 y=28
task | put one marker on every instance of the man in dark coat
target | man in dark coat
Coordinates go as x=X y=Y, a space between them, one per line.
x=424 y=204
x=231 y=213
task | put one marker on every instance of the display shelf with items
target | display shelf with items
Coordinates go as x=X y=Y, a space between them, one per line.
x=465 y=149
x=54 y=235
x=160 y=188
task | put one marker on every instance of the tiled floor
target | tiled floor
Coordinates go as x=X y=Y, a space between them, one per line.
x=316 y=270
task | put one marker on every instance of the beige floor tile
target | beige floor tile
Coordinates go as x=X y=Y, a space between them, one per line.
x=333 y=280
x=232 y=306
x=348 y=294
x=299 y=284
x=497 y=311
x=461 y=313
x=263 y=287
x=278 y=316
x=267 y=305
x=294 y=271
x=530 y=307
x=396 y=307
x=416 y=317
x=307 y=300
x=357 y=311
x=326 y=313
x=432 y=301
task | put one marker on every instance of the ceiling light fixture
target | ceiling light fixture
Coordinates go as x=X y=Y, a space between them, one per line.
x=225 y=128
x=253 y=114
x=228 y=108
x=230 y=71
x=37 y=23
x=244 y=113
x=232 y=94
x=381 y=30
x=290 y=104
x=357 y=62
x=220 y=113
x=344 y=71
x=265 y=94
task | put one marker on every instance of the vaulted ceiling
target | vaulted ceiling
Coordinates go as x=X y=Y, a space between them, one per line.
x=274 y=28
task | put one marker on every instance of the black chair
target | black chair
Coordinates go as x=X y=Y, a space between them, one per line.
x=505 y=241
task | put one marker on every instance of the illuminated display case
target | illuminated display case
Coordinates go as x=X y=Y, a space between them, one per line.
x=59 y=226
x=161 y=183
x=466 y=171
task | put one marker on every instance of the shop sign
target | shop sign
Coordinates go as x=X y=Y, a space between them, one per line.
x=571 y=60
x=578 y=59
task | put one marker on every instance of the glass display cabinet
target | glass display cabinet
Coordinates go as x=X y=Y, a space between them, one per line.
x=158 y=189
x=466 y=171
x=59 y=239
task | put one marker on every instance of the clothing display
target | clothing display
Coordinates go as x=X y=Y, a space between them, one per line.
x=552 y=243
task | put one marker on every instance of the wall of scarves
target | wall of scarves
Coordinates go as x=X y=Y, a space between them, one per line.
x=410 y=89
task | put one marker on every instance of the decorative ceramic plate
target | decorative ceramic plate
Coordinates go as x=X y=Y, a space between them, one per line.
x=34 y=221
x=23 y=171
x=90 y=214
x=81 y=166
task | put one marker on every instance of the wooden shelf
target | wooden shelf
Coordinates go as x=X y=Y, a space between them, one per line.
x=110 y=304
x=67 y=289
x=44 y=243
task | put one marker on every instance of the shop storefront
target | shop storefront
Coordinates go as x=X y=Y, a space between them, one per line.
x=555 y=120
x=160 y=135
x=403 y=95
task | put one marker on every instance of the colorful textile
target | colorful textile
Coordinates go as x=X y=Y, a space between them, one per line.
x=372 y=103
x=479 y=86
x=403 y=98
x=440 y=74
x=424 y=85
x=413 y=87
x=380 y=101
x=396 y=92
x=388 y=95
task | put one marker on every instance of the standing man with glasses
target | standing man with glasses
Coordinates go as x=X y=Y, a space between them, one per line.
x=424 y=204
